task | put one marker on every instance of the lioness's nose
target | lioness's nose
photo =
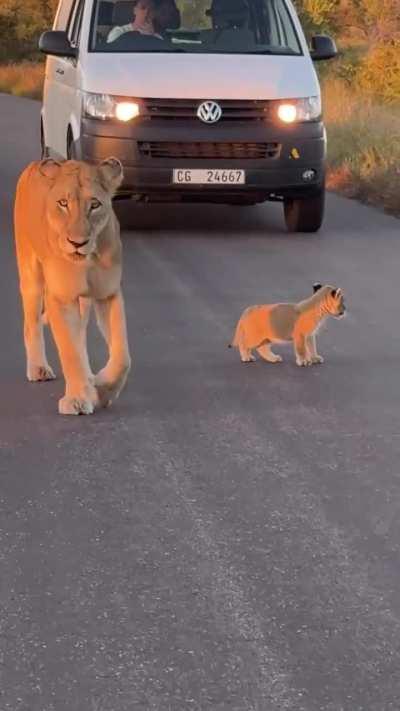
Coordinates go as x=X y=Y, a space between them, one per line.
x=78 y=244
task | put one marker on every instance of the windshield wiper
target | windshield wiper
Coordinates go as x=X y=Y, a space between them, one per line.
x=287 y=52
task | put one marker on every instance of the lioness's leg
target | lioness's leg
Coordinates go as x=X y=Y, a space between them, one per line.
x=302 y=357
x=311 y=347
x=111 y=318
x=266 y=353
x=32 y=290
x=85 y=306
x=80 y=394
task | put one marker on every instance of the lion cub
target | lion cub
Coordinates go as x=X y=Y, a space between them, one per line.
x=259 y=326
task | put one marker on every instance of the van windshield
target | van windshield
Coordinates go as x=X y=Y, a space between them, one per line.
x=193 y=26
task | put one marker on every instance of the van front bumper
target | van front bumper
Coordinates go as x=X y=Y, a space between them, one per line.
x=294 y=167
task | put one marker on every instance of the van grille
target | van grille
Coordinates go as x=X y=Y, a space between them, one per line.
x=168 y=109
x=166 y=149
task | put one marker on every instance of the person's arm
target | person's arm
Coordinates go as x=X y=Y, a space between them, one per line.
x=117 y=32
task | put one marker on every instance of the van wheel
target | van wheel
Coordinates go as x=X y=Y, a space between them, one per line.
x=305 y=214
x=70 y=146
x=44 y=151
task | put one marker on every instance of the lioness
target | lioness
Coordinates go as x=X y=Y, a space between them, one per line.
x=69 y=253
x=259 y=326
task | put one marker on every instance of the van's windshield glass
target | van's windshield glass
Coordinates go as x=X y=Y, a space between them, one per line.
x=209 y=26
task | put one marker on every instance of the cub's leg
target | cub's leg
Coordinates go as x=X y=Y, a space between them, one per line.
x=302 y=357
x=266 y=353
x=32 y=292
x=112 y=323
x=246 y=355
x=80 y=394
x=239 y=341
x=311 y=347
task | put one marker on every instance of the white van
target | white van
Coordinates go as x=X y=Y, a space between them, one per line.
x=201 y=100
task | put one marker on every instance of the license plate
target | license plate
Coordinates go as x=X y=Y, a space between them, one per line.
x=182 y=176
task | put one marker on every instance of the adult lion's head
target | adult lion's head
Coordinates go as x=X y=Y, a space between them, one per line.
x=79 y=203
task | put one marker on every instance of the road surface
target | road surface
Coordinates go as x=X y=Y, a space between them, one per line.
x=227 y=537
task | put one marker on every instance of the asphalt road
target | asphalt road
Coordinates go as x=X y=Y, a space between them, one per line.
x=227 y=537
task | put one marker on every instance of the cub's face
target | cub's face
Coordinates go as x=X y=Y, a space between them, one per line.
x=335 y=303
x=333 y=298
x=79 y=205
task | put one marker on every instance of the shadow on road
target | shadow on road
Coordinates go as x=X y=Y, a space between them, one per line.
x=202 y=219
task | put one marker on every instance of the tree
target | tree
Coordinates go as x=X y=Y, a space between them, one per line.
x=21 y=24
x=318 y=16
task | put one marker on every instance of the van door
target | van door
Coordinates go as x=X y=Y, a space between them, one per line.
x=61 y=99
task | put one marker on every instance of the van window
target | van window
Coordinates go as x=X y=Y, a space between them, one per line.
x=192 y=26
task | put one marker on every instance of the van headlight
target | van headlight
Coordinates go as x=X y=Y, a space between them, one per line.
x=299 y=110
x=104 y=106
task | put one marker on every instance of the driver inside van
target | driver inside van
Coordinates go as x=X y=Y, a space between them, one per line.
x=150 y=17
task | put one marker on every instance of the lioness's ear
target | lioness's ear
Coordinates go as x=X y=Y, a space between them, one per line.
x=111 y=174
x=49 y=168
x=317 y=287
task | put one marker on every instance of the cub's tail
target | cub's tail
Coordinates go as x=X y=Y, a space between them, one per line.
x=236 y=338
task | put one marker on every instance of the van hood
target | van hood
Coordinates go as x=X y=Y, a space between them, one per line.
x=199 y=76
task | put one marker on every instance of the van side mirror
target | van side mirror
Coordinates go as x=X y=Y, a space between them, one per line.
x=57 y=44
x=322 y=47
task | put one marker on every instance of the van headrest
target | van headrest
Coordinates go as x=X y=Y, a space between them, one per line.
x=106 y=10
x=123 y=12
x=168 y=15
x=229 y=13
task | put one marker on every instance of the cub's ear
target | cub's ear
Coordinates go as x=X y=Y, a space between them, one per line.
x=49 y=168
x=335 y=292
x=317 y=287
x=111 y=174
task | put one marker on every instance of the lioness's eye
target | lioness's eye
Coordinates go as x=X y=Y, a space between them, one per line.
x=95 y=204
x=63 y=203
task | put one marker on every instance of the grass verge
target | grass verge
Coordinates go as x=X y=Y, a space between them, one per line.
x=363 y=146
x=22 y=79
x=363 y=137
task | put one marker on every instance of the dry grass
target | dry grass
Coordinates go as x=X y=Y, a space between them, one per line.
x=363 y=146
x=23 y=79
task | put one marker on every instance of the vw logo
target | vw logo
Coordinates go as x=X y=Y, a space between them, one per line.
x=209 y=112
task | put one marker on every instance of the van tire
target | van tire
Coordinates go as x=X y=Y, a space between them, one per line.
x=44 y=151
x=70 y=145
x=305 y=214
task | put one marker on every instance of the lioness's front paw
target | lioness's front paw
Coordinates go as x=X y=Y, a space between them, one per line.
x=80 y=404
x=40 y=373
x=302 y=362
x=107 y=391
x=107 y=394
x=317 y=359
